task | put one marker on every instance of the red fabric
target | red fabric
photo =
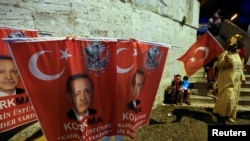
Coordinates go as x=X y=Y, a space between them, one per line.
x=15 y=110
x=176 y=82
x=200 y=53
x=5 y=32
x=243 y=52
x=112 y=84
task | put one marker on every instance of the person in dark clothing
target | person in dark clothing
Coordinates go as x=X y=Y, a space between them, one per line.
x=173 y=93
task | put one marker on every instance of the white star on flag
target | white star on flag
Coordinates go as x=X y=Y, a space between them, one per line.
x=65 y=54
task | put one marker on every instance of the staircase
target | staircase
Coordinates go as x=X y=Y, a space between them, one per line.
x=202 y=97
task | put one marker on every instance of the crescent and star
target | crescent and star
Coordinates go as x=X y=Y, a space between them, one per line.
x=125 y=70
x=39 y=74
x=64 y=55
x=201 y=48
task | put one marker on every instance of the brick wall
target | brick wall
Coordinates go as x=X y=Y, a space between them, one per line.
x=149 y=20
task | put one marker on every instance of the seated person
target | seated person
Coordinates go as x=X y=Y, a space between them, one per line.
x=174 y=91
x=185 y=89
x=168 y=95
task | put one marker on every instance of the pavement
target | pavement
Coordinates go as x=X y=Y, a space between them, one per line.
x=182 y=123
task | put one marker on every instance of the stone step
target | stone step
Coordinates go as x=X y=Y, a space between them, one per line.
x=204 y=91
x=209 y=101
x=201 y=78
x=201 y=96
x=203 y=85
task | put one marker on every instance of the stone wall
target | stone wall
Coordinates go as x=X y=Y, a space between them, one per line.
x=172 y=22
x=228 y=29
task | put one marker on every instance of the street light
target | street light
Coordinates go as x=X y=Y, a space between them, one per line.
x=234 y=17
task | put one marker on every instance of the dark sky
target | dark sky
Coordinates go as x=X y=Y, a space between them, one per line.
x=228 y=9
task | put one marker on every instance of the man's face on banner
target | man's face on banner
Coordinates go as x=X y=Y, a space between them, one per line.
x=9 y=76
x=81 y=95
x=139 y=80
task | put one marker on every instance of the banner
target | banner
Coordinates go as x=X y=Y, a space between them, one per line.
x=9 y=32
x=205 y=49
x=16 y=111
x=140 y=66
x=84 y=89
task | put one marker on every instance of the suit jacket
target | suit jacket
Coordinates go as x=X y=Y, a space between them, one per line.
x=71 y=114
x=131 y=105
x=20 y=91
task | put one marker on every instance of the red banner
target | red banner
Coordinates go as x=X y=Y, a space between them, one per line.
x=8 y=32
x=118 y=72
x=16 y=111
x=200 y=53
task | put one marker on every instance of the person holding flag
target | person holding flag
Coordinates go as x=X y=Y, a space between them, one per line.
x=229 y=80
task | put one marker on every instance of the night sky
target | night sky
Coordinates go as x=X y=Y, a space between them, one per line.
x=228 y=9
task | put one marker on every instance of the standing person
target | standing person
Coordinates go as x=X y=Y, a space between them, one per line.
x=248 y=65
x=243 y=54
x=9 y=77
x=80 y=90
x=229 y=80
x=216 y=22
x=137 y=84
x=209 y=70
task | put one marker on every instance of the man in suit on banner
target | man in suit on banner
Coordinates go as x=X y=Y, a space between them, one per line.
x=9 y=77
x=80 y=90
x=137 y=83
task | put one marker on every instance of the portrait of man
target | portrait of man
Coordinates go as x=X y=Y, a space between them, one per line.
x=138 y=79
x=80 y=90
x=9 y=77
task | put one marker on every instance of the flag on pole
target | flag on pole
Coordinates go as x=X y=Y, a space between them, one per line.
x=200 y=53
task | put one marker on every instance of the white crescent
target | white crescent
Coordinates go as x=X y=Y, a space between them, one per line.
x=124 y=70
x=36 y=72
x=205 y=49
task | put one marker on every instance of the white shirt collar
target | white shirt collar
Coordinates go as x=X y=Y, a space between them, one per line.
x=79 y=118
x=2 y=94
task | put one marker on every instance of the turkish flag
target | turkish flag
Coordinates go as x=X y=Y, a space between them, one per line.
x=200 y=53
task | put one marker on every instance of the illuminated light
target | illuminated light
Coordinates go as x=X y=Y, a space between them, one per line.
x=234 y=17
